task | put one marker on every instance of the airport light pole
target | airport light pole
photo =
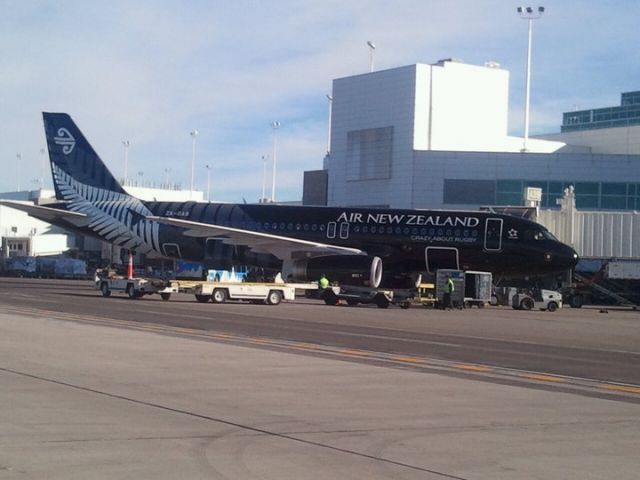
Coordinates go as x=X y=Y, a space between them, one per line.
x=330 y=99
x=372 y=49
x=167 y=171
x=528 y=14
x=208 y=167
x=126 y=144
x=43 y=163
x=275 y=126
x=264 y=177
x=19 y=159
x=194 y=134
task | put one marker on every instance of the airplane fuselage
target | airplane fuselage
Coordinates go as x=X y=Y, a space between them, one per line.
x=406 y=240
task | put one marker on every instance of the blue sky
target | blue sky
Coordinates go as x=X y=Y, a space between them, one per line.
x=152 y=71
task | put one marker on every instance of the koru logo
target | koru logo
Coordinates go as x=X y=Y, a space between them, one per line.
x=65 y=139
x=513 y=234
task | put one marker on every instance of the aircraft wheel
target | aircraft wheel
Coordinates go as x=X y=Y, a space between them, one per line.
x=104 y=288
x=219 y=295
x=405 y=305
x=552 y=307
x=274 y=297
x=526 y=304
x=203 y=298
x=165 y=296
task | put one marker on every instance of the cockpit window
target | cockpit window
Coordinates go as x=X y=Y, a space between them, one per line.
x=539 y=235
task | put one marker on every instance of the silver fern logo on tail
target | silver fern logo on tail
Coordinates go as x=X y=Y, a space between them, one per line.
x=116 y=217
x=65 y=139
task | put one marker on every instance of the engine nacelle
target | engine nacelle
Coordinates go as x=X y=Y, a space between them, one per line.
x=357 y=270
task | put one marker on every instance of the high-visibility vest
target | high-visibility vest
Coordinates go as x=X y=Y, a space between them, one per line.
x=450 y=286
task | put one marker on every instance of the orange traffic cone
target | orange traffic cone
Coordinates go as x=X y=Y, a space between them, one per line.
x=130 y=269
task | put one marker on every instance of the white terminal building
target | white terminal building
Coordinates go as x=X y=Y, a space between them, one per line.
x=435 y=137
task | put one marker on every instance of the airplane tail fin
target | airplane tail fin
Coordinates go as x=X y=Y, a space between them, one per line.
x=73 y=159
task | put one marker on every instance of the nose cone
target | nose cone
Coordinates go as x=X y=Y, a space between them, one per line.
x=573 y=258
x=561 y=257
x=565 y=258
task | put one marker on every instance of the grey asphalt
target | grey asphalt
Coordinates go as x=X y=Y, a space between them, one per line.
x=81 y=400
x=573 y=342
x=85 y=401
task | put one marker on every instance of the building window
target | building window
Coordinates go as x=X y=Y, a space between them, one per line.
x=587 y=201
x=514 y=199
x=610 y=202
x=614 y=189
x=469 y=192
x=587 y=188
x=369 y=153
x=511 y=186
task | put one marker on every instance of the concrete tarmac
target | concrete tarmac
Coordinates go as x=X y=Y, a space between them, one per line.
x=87 y=401
x=581 y=343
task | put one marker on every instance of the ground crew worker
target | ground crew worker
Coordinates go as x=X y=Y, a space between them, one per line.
x=323 y=282
x=449 y=288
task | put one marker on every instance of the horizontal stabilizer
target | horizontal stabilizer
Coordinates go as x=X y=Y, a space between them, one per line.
x=282 y=247
x=48 y=214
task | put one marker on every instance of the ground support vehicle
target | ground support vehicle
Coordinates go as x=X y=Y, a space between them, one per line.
x=133 y=287
x=353 y=295
x=220 y=292
x=425 y=295
x=538 y=299
x=615 y=283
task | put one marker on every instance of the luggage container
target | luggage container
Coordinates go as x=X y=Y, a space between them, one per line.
x=477 y=288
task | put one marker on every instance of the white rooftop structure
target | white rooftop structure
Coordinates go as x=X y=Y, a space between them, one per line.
x=445 y=106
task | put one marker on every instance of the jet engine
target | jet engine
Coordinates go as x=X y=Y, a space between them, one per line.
x=357 y=270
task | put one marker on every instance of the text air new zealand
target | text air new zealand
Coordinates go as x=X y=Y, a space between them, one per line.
x=356 y=246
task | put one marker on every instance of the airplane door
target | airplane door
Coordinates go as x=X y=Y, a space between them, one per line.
x=493 y=235
x=344 y=230
x=441 y=257
x=331 y=230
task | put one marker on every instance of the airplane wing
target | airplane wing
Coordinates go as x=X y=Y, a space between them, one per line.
x=284 y=248
x=47 y=214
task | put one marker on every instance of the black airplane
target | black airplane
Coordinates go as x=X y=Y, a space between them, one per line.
x=355 y=246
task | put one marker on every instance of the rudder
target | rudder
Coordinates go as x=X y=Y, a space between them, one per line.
x=70 y=152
